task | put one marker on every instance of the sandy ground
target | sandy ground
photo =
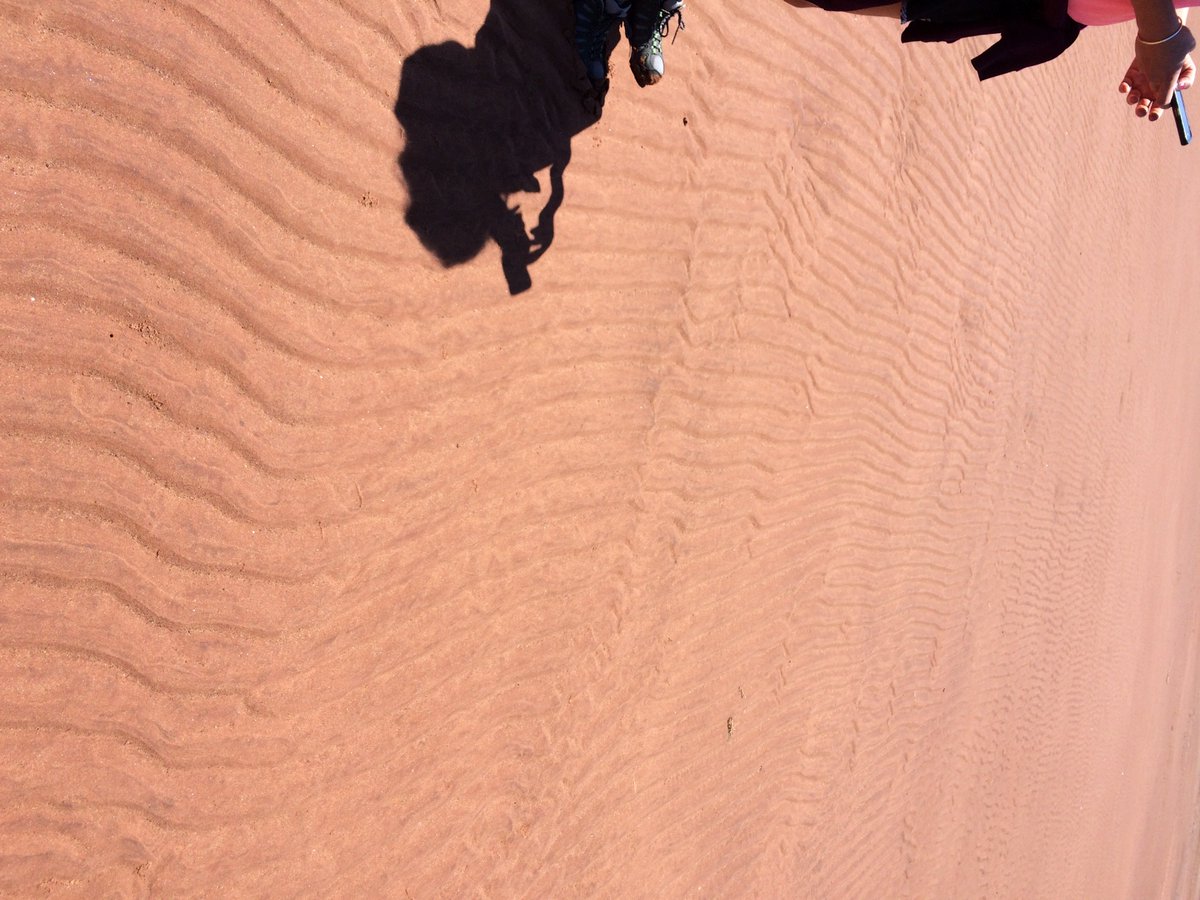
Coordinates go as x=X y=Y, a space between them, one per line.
x=814 y=515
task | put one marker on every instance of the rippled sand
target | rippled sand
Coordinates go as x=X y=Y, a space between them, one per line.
x=815 y=515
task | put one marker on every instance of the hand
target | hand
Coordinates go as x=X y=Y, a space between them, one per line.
x=1140 y=92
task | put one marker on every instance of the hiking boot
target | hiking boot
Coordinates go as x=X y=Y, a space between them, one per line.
x=594 y=21
x=646 y=28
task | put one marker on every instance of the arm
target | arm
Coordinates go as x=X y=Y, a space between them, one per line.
x=1161 y=58
x=1156 y=19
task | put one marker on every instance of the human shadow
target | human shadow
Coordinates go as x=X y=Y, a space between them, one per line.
x=480 y=122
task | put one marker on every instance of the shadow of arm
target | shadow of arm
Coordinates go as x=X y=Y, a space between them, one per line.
x=543 y=232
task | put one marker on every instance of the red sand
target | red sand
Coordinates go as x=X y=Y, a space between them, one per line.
x=821 y=523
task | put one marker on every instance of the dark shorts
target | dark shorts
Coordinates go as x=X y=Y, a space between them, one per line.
x=1031 y=31
x=969 y=12
x=943 y=12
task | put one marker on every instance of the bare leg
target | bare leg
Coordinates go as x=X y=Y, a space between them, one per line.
x=892 y=11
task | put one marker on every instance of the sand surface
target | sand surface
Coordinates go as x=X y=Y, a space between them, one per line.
x=812 y=510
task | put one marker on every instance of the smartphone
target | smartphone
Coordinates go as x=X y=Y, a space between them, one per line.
x=1181 y=120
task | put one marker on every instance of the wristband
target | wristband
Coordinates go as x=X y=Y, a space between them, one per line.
x=1167 y=40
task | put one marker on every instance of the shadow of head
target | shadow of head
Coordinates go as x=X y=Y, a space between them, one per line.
x=480 y=122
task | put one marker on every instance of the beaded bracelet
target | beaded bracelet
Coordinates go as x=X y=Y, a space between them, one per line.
x=1178 y=31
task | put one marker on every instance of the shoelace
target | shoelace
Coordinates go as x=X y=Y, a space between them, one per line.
x=664 y=26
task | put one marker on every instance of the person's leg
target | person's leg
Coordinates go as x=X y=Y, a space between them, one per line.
x=647 y=25
x=891 y=11
x=594 y=22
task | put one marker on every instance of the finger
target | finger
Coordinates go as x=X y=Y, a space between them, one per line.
x=1134 y=97
x=1156 y=112
x=1143 y=108
x=1167 y=94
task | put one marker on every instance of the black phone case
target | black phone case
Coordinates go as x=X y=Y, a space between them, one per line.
x=1181 y=119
